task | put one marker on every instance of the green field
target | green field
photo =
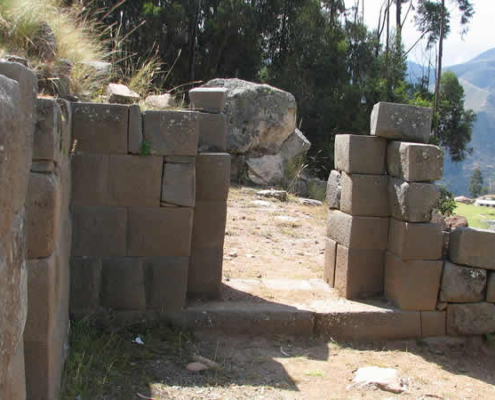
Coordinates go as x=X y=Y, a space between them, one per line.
x=475 y=215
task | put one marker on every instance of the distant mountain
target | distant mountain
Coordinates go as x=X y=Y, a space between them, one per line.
x=477 y=77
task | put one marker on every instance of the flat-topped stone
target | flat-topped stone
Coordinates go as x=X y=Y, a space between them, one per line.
x=365 y=195
x=412 y=201
x=462 y=284
x=401 y=122
x=473 y=247
x=211 y=99
x=414 y=162
x=360 y=154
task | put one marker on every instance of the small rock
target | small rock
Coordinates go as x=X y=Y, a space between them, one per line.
x=310 y=202
x=383 y=378
x=161 y=101
x=456 y=221
x=233 y=254
x=206 y=361
x=286 y=218
x=121 y=94
x=196 y=367
x=275 y=194
x=250 y=255
x=262 y=203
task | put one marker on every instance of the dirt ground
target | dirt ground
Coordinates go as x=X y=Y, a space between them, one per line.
x=267 y=238
x=270 y=240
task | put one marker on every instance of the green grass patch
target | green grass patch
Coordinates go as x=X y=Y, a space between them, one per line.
x=476 y=215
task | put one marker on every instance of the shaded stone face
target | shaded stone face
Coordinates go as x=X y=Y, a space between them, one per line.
x=334 y=190
x=470 y=319
x=462 y=284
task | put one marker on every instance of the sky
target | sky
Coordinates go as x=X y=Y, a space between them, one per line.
x=479 y=38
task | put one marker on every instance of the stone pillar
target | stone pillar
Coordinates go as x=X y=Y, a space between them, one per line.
x=18 y=89
x=212 y=187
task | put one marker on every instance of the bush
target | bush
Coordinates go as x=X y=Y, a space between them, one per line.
x=446 y=204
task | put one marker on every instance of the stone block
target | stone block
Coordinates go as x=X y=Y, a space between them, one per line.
x=358 y=273
x=90 y=179
x=211 y=100
x=212 y=132
x=180 y=159
x=210 y=218
x=213 y=176
x=360 y=154
x=123 y=283
x=205 y=272
x=415 y=241
x=401 y=122
x=134 y=180
x=433 y=323
x=135 y=138
x=413 y=285
x=100 y=128
x=166 y=282
x=43 y=206
x=365 y=195
x=160 y=231
x=65 y=124
x=99 y=231
x=414 y=162
x=411 y=201
x=334 y=190
x=462 y=284
x=42 y=299
x=358 y=232
x=171 y=133
x=330 y=259
x=85 y=283
x=473 y=247
x=14 y=385
x=179 y=184
x=43 y=166
x=490 y=288
x=47 y=142
x=470 y=319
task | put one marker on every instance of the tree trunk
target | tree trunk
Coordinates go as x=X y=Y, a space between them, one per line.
x=398 y=22
x=439 y=66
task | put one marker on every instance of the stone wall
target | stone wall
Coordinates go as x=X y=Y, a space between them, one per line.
x=17 y=95
x=381 y=240
x=148 y=210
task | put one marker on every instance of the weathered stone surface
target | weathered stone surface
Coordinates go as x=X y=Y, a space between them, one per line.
x=470 y=319
x=179 y=184
x=334 y=190
x=413 y=285
x=209 y=224
x=415 y=241
x=414 y=162
x=121 y=94
x=365 y=195
x=208 y=99
x=213 y=176
x=411 y=201
x=295 y=145
x=90 y=179
x=135 y=137
x=100 y=128
x=260 y=117
x=134 y=180
x=273 y=194
x=401 y=122
x=266 y=170
x=47 y=134
x=43 y=166
x=147 y=236
x=85 y=283
x=161 y=101
x=171 y=133
x=433 y=323
x=123 y=283
x=358 y=273
x=490 y=288
x=205 y=272
x=358 y=232
x=14 y=383
x=330 y=259
x=43 y=207
x=359 y=154
x=212 y=132
x=462 y=284
x=473 y=247
x=99 y=231
x=160 y=271
x=180 y=159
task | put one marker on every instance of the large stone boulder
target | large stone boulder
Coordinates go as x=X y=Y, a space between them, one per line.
x=261 y=129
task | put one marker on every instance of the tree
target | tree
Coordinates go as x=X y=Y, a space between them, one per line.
x=454 y=124
x=433 y=21
x=476 y=183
